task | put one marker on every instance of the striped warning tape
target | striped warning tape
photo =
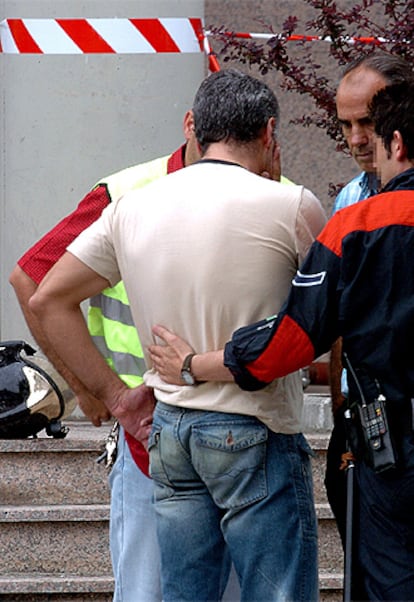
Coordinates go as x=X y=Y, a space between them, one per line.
x=297 y=37
x=126 y=36
x=119 y=36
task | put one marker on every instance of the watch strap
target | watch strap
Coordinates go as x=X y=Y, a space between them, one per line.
x=187 y=363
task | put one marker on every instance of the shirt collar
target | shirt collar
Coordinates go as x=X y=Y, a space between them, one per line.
x=404 y=181
x=176 y=161
x=369 y=184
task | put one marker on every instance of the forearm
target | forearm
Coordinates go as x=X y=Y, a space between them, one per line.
x=210 y=366
x=68 y=335
x=168 y=359
x=67 y=332
x=56 y=306
x=24 y=288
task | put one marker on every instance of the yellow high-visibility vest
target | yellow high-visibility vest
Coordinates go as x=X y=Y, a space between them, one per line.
x=109 y=316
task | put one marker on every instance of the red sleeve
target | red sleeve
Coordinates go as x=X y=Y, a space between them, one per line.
x=38 y=260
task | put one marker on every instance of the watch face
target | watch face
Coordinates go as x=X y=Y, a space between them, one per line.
x=187 y=377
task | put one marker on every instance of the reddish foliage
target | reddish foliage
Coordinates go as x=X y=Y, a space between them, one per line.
x=301 y=73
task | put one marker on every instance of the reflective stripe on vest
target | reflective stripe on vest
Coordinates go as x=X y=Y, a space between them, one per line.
x=114 y=334
x=110 y=321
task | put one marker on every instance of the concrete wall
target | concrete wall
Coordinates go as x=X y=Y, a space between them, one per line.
x=68 y=120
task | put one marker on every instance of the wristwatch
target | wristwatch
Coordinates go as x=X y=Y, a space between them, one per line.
x=186 y=375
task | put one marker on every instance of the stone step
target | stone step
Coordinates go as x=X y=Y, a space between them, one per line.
x=319 y=445
x=82 y=532
x=55 y=471
x=330 y=586
x=54 y=515
x=55 y=539
x=35 y=587
x=39 y=587
x=329 y=543
x=317 y=410
x=65 y=471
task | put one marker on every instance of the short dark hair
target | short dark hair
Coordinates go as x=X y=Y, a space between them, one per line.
x=393 y=68
x=230 y=105
x=391 y=109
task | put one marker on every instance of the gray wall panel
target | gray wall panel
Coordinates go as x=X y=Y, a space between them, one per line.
x=68 y=120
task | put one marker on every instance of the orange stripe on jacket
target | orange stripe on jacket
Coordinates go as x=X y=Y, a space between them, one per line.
x=371 y=214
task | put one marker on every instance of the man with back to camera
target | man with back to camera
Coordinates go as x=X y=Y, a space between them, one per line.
x=357 y=282
x=359 y=82
x=215 y=258
x=133 y=545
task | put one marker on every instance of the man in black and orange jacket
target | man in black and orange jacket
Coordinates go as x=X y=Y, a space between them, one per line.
x=358 y=282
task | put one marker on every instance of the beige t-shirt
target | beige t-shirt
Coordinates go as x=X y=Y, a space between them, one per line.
x=204 y=251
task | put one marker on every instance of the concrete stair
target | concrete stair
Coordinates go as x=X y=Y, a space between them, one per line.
x=330 y=550
x=54 y=511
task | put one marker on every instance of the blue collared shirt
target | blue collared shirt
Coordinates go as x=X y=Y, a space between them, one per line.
x=359 y=188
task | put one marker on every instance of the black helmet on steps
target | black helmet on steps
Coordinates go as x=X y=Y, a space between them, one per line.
x=30 y=400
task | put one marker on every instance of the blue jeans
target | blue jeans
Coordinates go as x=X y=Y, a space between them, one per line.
x=133 y=541
x=226 y=479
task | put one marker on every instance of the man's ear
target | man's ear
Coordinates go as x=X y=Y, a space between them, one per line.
x=188 y=124
x=270 y=132
x=398 y=146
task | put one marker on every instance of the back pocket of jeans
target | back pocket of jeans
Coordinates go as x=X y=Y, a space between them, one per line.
x=231 y=458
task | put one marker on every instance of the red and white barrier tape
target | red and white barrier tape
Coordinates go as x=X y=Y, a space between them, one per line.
x=213 y=63
x=118 y=36
x=126 y=36
x=299 y=38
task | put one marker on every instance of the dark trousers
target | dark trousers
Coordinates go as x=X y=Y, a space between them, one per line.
x=335 y=484
x=383 y=555
x=386 y=538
